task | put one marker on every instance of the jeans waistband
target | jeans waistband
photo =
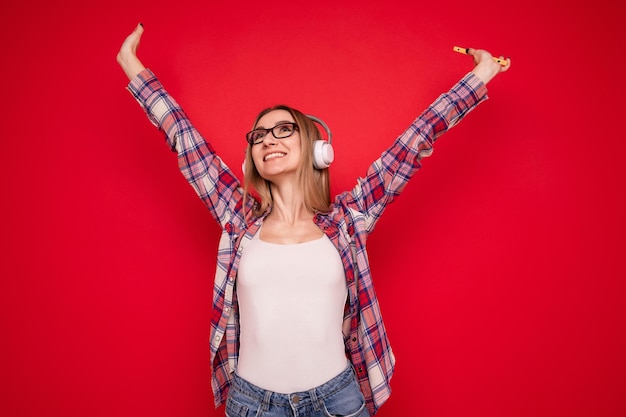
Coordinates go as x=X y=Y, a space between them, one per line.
x=311 y=396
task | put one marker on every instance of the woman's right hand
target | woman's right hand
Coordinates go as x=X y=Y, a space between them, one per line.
x=127 y=56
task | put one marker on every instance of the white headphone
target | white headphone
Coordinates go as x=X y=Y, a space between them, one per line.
x=323 y=152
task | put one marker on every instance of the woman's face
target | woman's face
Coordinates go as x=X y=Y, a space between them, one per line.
x=273 y=157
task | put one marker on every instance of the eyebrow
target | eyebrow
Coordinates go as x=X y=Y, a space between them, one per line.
x=277 y=123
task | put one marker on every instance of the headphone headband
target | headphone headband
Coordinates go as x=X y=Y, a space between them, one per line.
x=324 y=125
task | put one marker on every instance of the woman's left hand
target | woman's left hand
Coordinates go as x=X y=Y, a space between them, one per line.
x=486 y=67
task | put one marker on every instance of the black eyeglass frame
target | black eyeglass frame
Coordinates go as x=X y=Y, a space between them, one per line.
x=271 y=129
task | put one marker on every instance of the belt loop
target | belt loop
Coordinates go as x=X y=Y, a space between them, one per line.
x=317 y=403
x=265 y=405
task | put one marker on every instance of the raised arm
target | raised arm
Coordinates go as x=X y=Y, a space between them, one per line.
x=205 y=171
x=127 y=56
x=388 y=175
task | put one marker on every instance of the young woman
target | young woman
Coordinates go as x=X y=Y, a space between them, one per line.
x=296 y=327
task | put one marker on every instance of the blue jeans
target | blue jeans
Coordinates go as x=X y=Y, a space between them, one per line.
x=340 y=396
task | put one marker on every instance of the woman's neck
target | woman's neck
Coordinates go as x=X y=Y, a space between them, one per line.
x=289 y=222
x=288 y=204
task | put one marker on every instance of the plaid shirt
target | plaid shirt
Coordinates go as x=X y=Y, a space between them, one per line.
x=351 y=219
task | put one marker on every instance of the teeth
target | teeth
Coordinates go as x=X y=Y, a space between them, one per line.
x=273 y=155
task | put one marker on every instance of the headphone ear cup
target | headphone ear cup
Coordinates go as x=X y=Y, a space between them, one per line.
x=323 y=154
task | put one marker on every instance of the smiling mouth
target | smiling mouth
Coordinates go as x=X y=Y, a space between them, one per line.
x=273 y=155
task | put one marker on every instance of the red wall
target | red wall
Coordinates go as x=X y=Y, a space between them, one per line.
x=500 y=271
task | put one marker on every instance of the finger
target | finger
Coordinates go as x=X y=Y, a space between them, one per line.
x=508 y=64
x=472 y=52
x=139 y=32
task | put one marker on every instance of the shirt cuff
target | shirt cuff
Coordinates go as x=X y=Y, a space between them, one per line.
x=476 y=86
x=145 y=88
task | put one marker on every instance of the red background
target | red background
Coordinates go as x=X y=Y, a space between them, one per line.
x=500 y=271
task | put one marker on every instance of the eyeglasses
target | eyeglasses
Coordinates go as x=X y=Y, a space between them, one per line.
x=280 y=131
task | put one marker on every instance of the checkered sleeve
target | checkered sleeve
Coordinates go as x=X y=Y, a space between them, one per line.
x=388 y=175
x=212 y=180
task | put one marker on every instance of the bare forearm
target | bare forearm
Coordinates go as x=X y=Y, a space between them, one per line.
x=486 y=71
x=131 y=65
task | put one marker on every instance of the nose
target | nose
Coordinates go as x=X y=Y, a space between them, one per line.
x=269 y=140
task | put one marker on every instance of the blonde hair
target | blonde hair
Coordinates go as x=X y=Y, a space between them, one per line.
x=315 y=183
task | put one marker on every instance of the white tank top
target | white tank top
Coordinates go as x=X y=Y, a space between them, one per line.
x=291 y=303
